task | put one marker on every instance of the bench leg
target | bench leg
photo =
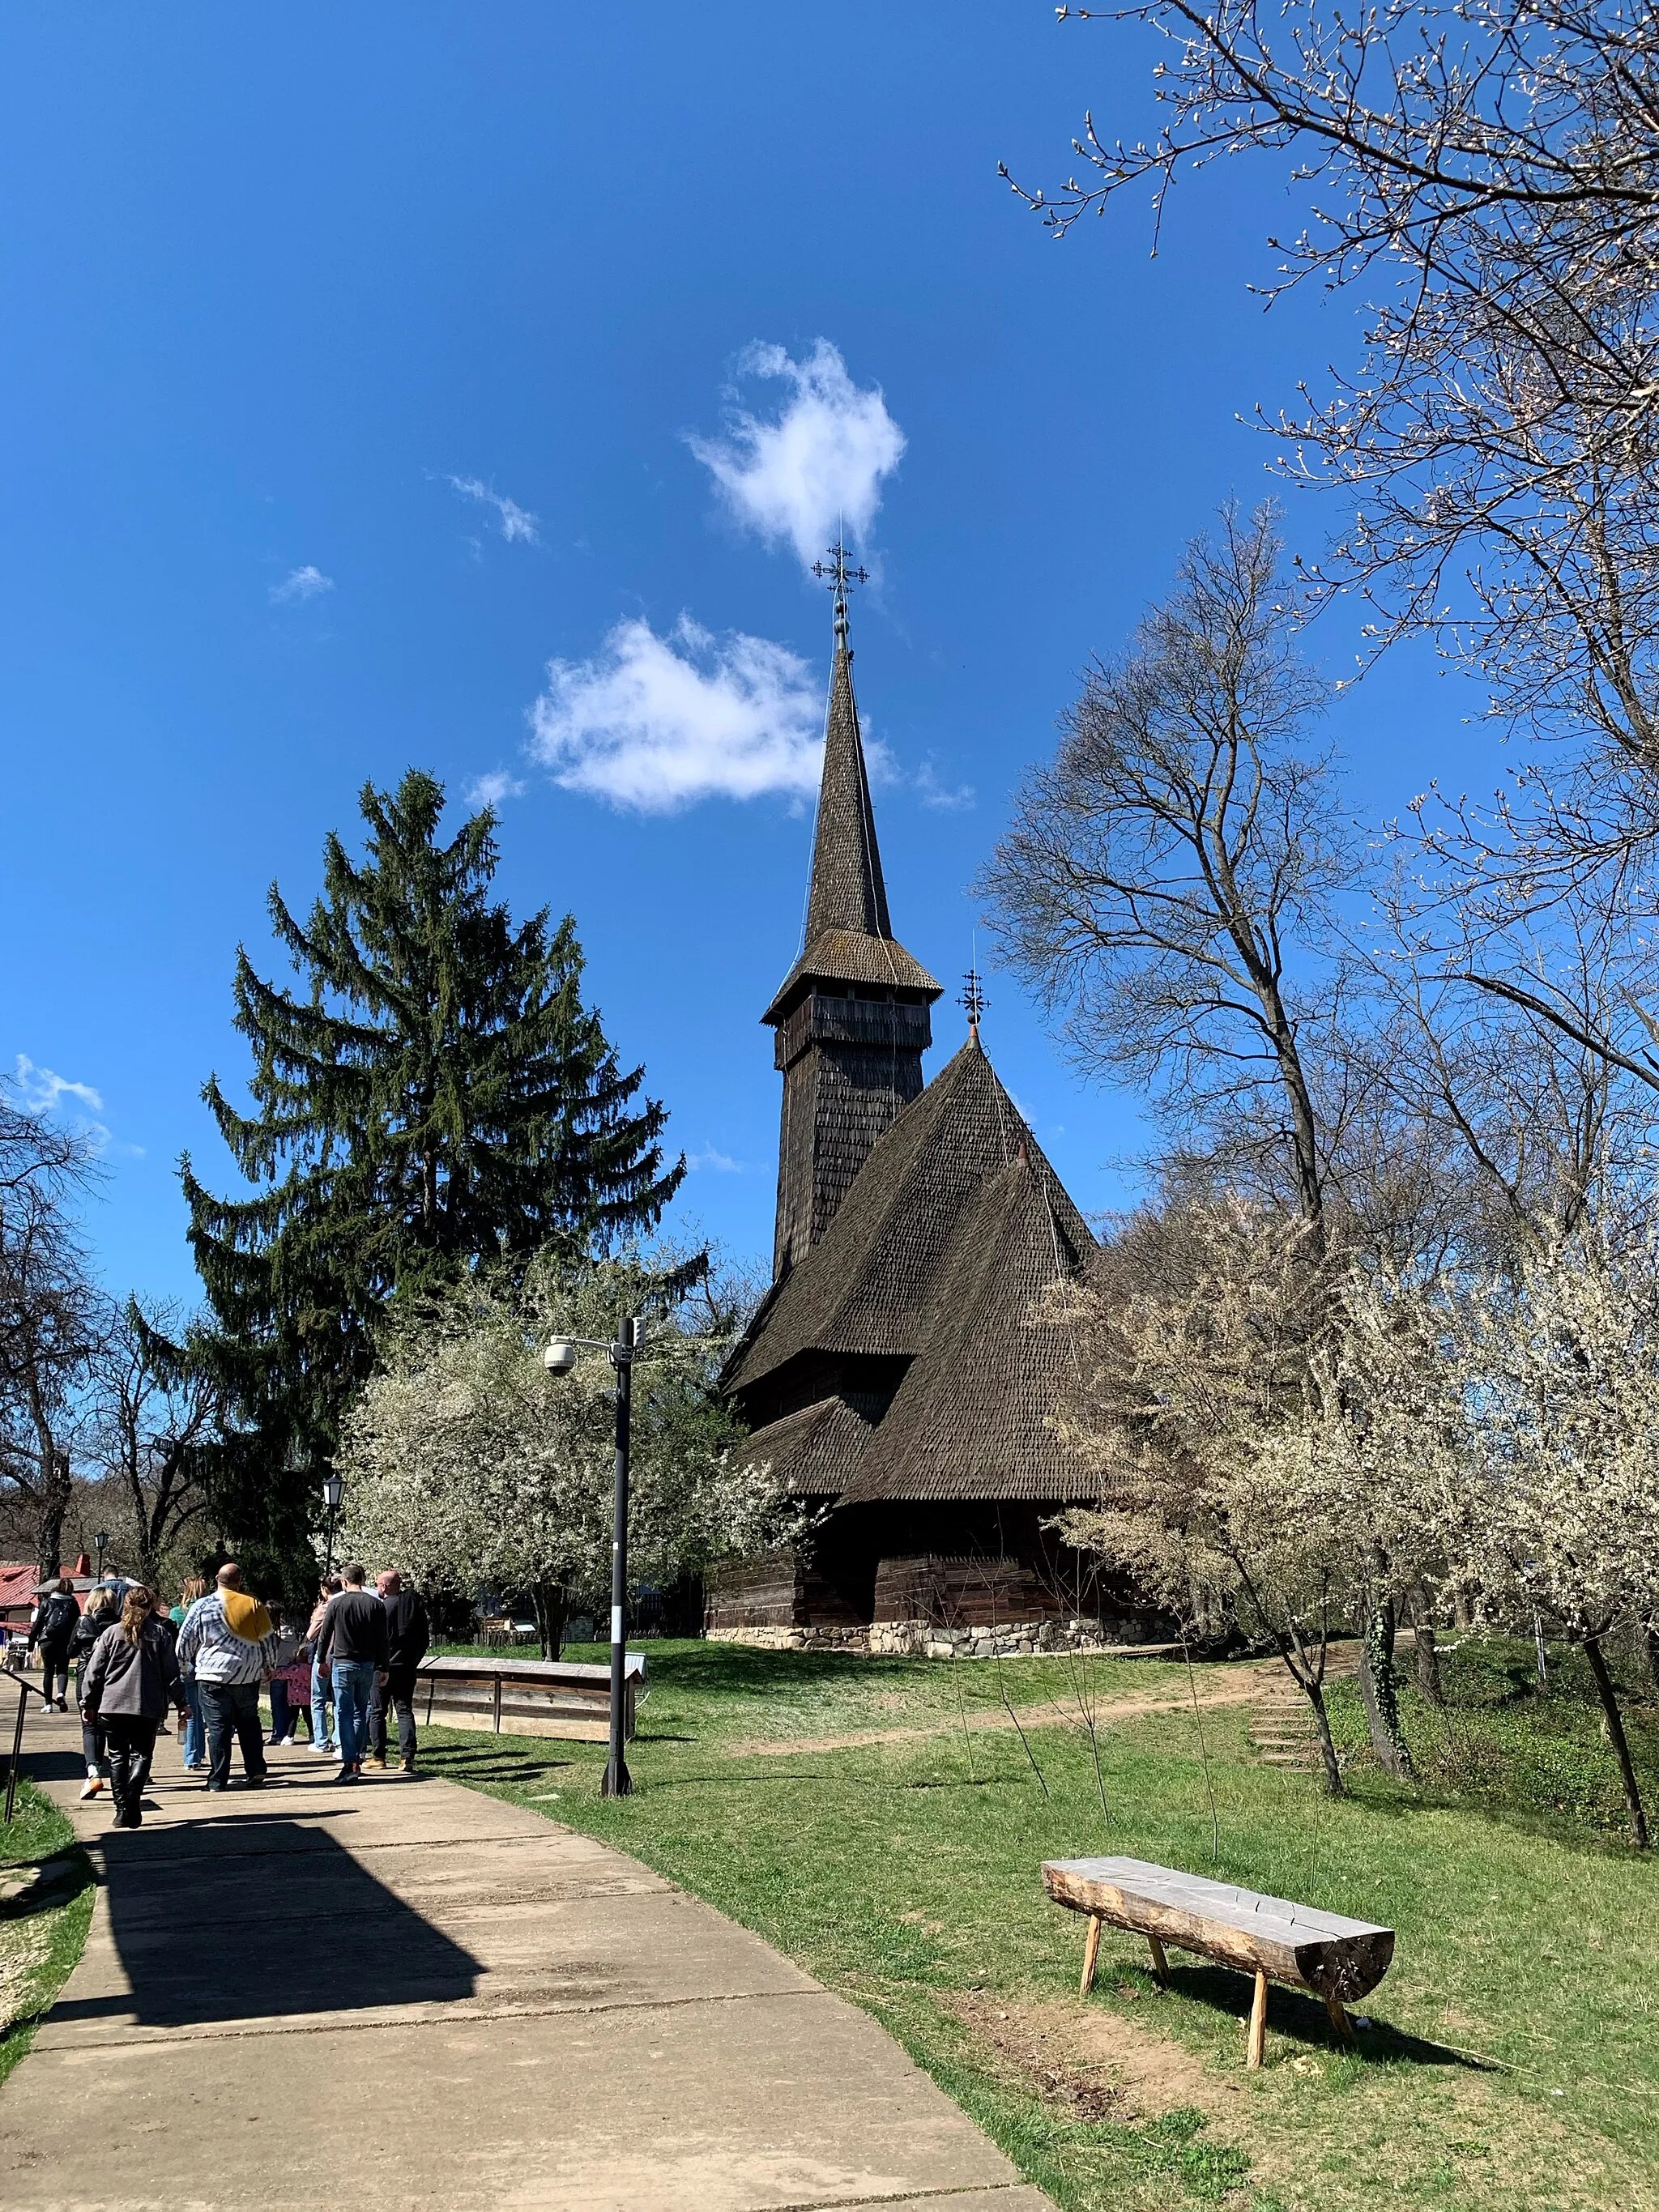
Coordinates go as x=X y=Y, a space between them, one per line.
x=1340 y=2021
x=1091 y=1953
x=1258 y=2022
x=1160 y=1964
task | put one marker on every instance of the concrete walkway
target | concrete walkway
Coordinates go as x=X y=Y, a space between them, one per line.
x=403 y=1993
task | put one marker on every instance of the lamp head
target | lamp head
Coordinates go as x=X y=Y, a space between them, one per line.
x=560 y=1357
x=333 y=1491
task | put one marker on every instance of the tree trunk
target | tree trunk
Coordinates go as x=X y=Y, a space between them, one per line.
x=1315 y=1697
x=1429 y=1687
x=1598 y=1665
x=54 y=1505
x=548 y=1602
x=1379 y=1691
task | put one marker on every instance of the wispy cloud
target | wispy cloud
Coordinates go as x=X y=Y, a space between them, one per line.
x=817 y=466
x=306 y=583
x=43 y=1091
x=516 y=524
x=656 y=723
x=932 y=793
x=708 y=1161
x=489 y=790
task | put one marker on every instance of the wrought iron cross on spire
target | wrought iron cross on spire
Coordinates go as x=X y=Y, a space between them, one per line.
x=835 y=571
x=973 y=999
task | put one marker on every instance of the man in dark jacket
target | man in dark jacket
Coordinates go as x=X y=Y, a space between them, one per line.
x=407 y=1637
x=55 y=1621
x=351 y=1643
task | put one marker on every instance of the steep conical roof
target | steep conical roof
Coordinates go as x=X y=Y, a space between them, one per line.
x=868 y=1284
x=849 y=936
x=847 y=892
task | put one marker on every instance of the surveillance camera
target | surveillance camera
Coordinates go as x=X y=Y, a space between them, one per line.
x=560 y=1356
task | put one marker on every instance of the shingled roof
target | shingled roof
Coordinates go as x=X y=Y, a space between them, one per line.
x=937 y=1254
x=849 y=935
x=868 y=1283
x=972 y=1416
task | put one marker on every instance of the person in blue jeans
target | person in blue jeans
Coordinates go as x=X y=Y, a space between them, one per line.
x=324 y=1727
x=194 y=1746
x=351 y=1643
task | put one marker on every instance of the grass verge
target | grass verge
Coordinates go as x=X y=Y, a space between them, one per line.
x=44 y=1924
x=1514 y=2053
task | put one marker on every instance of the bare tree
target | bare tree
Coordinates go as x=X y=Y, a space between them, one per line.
x=1491 y=171
x=52 y=1317
x=154 y=1407
x=1168 y=880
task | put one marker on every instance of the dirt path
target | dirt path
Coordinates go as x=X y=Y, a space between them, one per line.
x=1244 y=1683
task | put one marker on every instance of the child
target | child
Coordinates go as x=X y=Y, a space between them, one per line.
x=290 y=1697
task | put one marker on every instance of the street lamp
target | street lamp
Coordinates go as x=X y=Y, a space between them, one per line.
x=333 y=1491
x=100 y=1538
x=560 y=1358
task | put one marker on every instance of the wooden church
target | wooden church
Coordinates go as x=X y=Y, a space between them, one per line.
x=895 y=1373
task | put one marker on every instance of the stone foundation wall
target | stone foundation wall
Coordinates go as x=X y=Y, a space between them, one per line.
x=925 y=1639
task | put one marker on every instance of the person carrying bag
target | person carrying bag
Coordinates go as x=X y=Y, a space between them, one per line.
x=131 y=1677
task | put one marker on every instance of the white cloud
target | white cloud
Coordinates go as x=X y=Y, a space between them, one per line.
x=43 y=1091
x=933 y=793
x=517 y=523
x=819 y=468
x=489 y=790
x=707 y=1160
x=656 y=723
x=301 y=584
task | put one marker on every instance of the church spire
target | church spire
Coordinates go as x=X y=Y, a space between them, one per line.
x=852 y=1015
x=847 y=892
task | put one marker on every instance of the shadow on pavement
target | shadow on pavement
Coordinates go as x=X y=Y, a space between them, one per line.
x=291 y=1923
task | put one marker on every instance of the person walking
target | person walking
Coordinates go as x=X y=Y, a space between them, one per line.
x=352 y=1644
x=53 y=1628
x=100 y=1613
x=407 y=1637
x=325 y=1721
x=131 y=1677
x=193 y=1747
x=229 y=1641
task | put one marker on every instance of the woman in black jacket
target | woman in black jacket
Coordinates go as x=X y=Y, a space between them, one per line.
x=53 y=1625
x=131 y=1679
x=99 y=1615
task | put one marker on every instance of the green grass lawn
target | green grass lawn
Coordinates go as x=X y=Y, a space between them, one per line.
x=1513 y=2058
x=42 y=1930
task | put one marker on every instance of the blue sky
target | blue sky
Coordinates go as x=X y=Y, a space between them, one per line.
x=359 y=364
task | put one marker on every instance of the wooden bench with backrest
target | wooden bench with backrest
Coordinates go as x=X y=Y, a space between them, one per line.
x=1340 y=1960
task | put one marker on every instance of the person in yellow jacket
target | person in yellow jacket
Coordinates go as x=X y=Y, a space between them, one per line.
x=229 y=1642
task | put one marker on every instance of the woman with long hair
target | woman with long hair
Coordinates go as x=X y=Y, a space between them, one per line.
x=100 y=1613
x=194 y=1746
x=131 y=1679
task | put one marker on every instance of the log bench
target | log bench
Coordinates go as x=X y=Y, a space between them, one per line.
x=1340 y=1960
x=526 y=1696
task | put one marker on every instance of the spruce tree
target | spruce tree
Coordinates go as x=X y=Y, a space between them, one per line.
x=436 y=1094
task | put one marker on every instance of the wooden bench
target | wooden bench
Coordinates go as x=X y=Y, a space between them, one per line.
x=1340 y=1960
x=525 y=1697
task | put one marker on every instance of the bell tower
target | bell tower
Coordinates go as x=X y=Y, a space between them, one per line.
x=851 y=1018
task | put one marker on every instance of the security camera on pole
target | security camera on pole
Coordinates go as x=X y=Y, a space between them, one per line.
x=560 y=1358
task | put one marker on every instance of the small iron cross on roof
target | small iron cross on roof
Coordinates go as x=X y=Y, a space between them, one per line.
x=836 y=571
x=973 y=998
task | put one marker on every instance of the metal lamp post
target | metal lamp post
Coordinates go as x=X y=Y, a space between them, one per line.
x=559 y=1358
x=100 y=1538
x=333 y=1491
